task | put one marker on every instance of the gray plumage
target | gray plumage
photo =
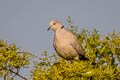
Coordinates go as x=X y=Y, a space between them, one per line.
x=66 y=43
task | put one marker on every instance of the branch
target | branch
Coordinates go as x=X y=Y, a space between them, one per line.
x=16 y=73
x=31 y=54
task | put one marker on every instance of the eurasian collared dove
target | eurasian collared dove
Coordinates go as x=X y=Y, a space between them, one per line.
x=66 y=43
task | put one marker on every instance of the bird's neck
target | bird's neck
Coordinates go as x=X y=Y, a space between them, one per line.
x=59 y=29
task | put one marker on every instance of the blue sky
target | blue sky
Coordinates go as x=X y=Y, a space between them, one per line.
x=25 y=22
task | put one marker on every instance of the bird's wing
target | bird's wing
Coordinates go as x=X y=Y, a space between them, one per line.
x=77 y=46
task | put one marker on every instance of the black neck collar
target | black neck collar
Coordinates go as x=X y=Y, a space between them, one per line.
x=62 y=27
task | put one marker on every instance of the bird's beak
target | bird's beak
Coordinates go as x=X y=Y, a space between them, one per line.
x=49 y=28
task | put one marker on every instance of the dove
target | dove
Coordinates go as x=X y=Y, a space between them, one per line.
x=66 y=43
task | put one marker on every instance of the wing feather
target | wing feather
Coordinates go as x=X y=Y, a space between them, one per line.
x=77 y=46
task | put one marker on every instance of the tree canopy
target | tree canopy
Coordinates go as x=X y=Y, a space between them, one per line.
x=102 y=49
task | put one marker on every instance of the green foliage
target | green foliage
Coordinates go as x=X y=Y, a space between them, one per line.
x=102 y=50
x=11 y=61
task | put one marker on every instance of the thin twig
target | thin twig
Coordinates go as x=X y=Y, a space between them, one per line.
x=31 y=54
x=18 y=75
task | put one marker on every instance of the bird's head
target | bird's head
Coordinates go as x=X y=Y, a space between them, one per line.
x=55 y=25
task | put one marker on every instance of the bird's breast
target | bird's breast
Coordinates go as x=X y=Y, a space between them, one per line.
x=64 y=49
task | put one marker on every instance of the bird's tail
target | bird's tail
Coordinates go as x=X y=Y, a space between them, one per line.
x=84 y=58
